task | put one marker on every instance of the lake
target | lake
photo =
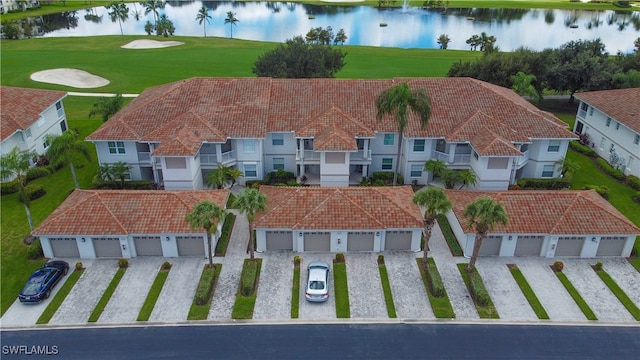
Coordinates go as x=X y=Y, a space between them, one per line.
x=405 y=27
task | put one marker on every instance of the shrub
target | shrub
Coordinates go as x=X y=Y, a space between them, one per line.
x=249 y=274
x=35 y=251
x=514 y=187
x=166 y=265
x=9 y=187
x=609 y=170
x=544 y=184
x=279 y=176
x=79 y=266
x=380 y=259
x=297 y=259
x=37 y=172
x=636 y=197
x=435 y=281
x=253 y=184
x=42 y=160
x=123 y=263
x=379 y=182
x=598 y=266
x=386 y=177
x=583 y=149
x=205 y=285
x=340 y=257
x=33 y=191
x=634 y=182
x=128 y=185
x=480 y=293
x=558 y=266
x=600 y=189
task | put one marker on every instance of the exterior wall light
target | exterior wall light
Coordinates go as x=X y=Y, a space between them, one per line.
x=510 y=238
x=124 y=246
x=594 y=239
x=167 y=238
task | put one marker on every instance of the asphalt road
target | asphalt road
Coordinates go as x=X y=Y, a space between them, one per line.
x=330 y=341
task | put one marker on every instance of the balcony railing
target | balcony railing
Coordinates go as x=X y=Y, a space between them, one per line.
x=458 y=159
x=208 y=159
x=228 y=156
x=437 y=155
x=361 y=155
x=522 y=159
x=307 y=155
x=144 y=157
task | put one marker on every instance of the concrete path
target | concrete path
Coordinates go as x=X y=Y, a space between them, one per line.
x=317 y=311
x=409 y=295
x=273 y=301
x=177 y=293
x=626 y=276
x=366 y=298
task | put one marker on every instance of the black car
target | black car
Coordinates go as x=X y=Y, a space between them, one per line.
x=42 y=281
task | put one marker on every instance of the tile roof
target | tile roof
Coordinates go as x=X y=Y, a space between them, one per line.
x=620 y=104
x=250 y=107
x=334 y=138
x=555 y=212
x=343 y=208
x=120 y=212
x=21 y=107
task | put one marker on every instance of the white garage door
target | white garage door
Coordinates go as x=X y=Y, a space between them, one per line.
x=490 y=246
x=279 y=240
x=360 y=241
x=611 y=246
x=314 y=241
x=529 y=245
x=148 y=245
x=398 y=240
x=191 y=246
x=569 y=246
x=64 y=247
x=107 y=247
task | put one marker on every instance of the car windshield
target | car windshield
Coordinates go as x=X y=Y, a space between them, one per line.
x=31 y=287
x=316 y=285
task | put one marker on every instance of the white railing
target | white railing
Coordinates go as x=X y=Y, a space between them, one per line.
x=144 y=157
x=462 y=158
x=208 y=159
x=361 y=155
x=228 y=156
x=437 y=155
x=522 y=159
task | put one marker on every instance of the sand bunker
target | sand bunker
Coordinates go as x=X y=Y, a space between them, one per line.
x=69 y=77
x=150 y=44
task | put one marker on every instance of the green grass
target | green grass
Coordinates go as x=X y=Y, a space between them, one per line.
x=57 y=300
x=452 y=242
x=295 y=292
x=619 y=293
x=207 y=283
x=153 y=295
x=106 y=296
x=227 y=228
x=485 y=312
x=586 y=310
x=526 y=289
x=230 y=201
x=386 y=289
x=441 y=306
x=341 y=287
x=244 y=305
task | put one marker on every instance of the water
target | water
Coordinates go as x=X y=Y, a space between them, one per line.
x=407 y=27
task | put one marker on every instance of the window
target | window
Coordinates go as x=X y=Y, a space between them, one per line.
x=278 y=163
x=418 y=145
x=547 y=171
x=584 y=106
x=59 y=109
x=475 y=155
x=498 y=163
x=387 y=163
x=116 y=147
x=250 y=170
x=554 y=146
x=637 y=139
x=334 y=158
x=27 y=133
x=416 y=170
x=277 y=139
x=389 y=139
x=63 y=126
x=249 y=146
x=176 y=163
x=591 y=111
x=617 y=125
x=608 y=121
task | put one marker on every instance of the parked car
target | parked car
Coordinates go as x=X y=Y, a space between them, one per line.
x=42 y=281
x=317 y=289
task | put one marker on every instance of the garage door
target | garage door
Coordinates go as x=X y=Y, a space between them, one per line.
x=64 y=247
x=360 y=241
x=611 y=246
x=279 y=240
x=569 y=246
x=148 y=245
x=398 y=240
x=107 y=247
x=191 y=246
x=529 y=245
x=317 y=241
x=490 y=246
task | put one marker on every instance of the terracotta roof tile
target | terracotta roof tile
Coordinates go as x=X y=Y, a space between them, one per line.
x=559 y=212
x=121 y=212
x=183 y=143
x=334 y=138
x=488 y=143
x=621 y=104
x=21 y=107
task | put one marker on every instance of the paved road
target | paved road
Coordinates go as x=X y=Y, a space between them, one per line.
x=330 y=341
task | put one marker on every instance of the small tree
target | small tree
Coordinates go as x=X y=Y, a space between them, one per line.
x=203 y=17
x=231 y=20
x=435 y=202
x=341 y=37
x=63 y=147
x=206 y=215
x=436 y=167
x=217 y=177
x=118 y=12
x=522 y=84
x=467 y=177
x=483 y=215
x=107 y=107
x=250 y=202
x=444 y=41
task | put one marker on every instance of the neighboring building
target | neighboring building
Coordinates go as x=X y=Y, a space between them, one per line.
x=127 y=223
x=27 y=115
x=325 y=130
x=346 y=219
x=611 y=119
x=17 y=5
x=547 y=224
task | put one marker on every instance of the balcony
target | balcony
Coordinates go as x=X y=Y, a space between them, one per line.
x=144 y=157
x=458 y=159
x=307 y=155
x=208 y=159
x=437 y=155
x=522 y=160
x=228 y=157
x=361 y=155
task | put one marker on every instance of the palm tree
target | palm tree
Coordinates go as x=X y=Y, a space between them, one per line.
x=483 y=215
x=120 y=171
x=231 y=20
x=395 y=101
x=435 y=202
x=444 y=41
x=234 y=174
x=206 y=215
x=152 y=6
x=15 y=164
x=217 y=177
x=467 y=177
x=436 y=167
x=203 y=17
x=249 y=202
x=62 y=148
x=119 y=12
x=522 y=84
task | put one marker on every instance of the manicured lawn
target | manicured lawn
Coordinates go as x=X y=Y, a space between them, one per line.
x=295 y=292
x=152 y=296
x=244 y=305
x=485 y=311
x=207 y=284
x=586 y=310
x=386 y=289
x=57 y=300
x=533 y=300
x=106 y=296
x=452 y=242
x=441 y=306
x=227 y=228
x=341 y=290
x=619 y=293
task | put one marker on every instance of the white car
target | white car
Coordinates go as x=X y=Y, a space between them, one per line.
x=317 y=289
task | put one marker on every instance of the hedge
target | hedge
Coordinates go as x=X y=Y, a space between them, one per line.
x=250 y=184
x=434 y=280
x=610 y=170
x=544 y=184
x=279 y=177
x=634 y=182
x=33 y=191
x=249 y=277
x=10 y=187
x=205 y=285
x=478 y=289
x=128 y=185
x=600 y=189
x=583 y=149
x=385 y=178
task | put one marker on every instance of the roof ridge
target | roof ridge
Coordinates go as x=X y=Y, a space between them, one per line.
x=311 y=210
x=363 y=210
x=603 y=206
x=124 y=229
x=53 y=217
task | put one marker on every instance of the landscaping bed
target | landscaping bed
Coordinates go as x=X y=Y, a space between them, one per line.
x=440 y=303
x=478 y=292
x=247 y=291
